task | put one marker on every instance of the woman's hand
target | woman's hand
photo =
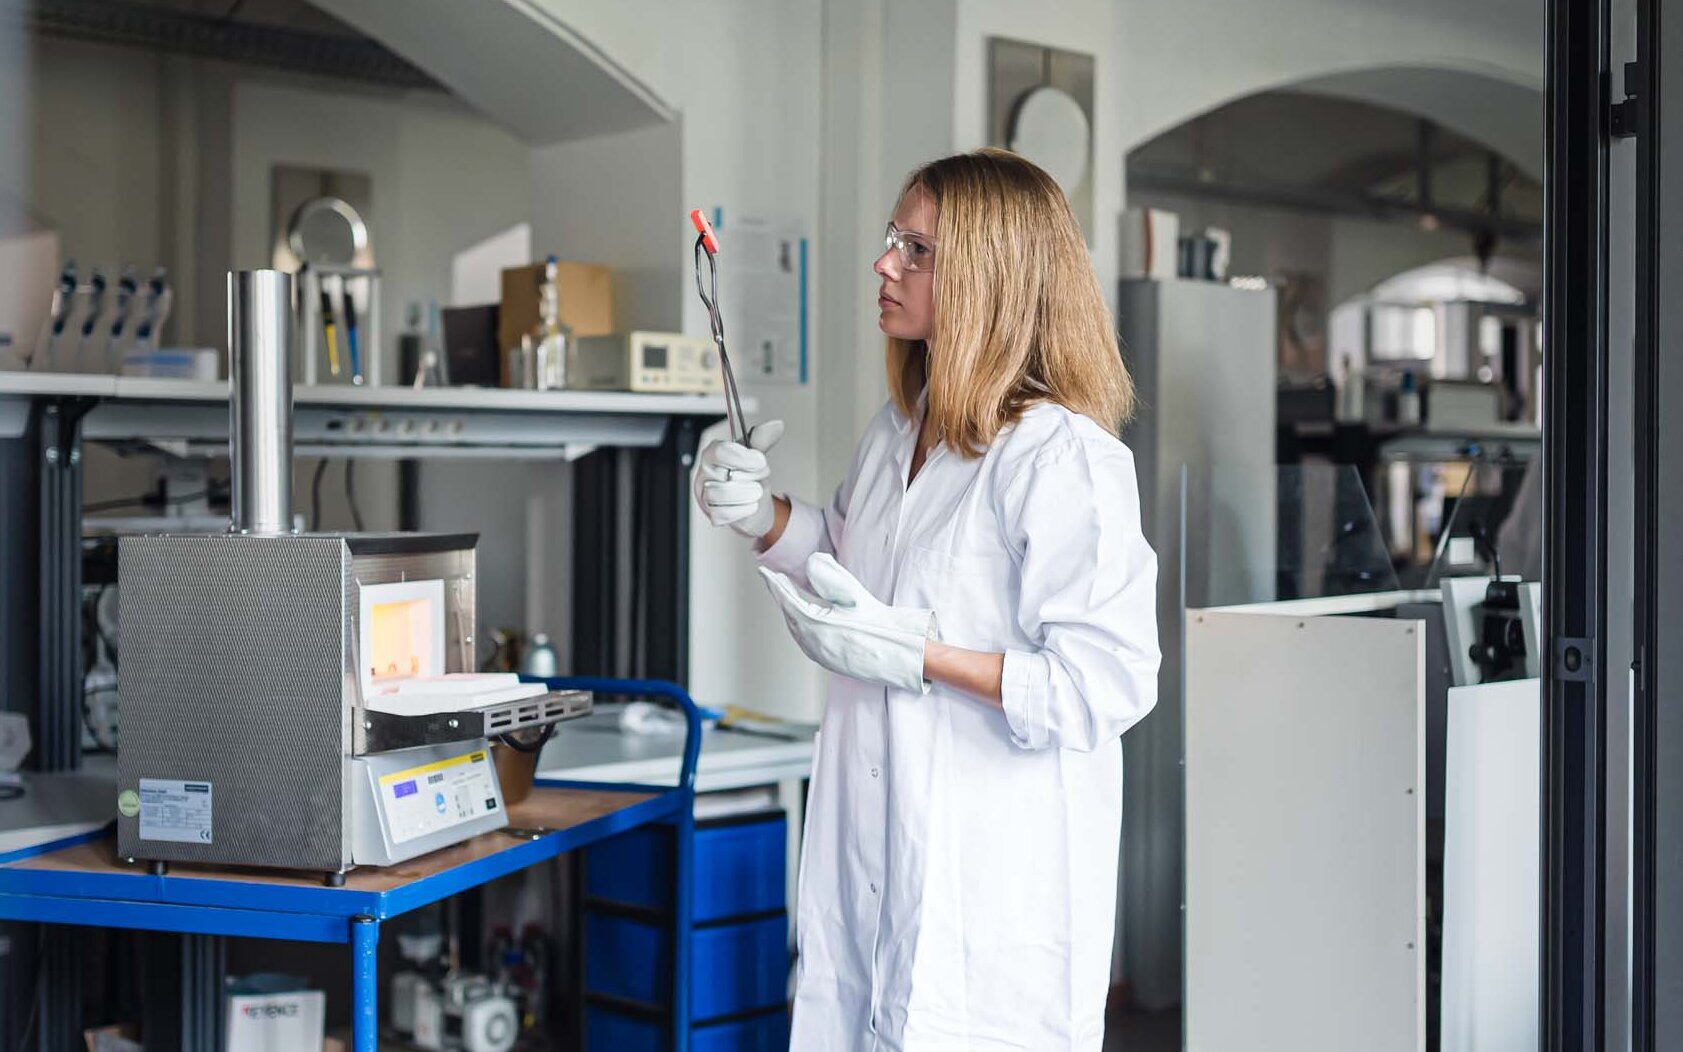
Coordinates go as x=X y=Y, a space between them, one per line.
x=843 y=627
x=846 y=629
x=729 y=484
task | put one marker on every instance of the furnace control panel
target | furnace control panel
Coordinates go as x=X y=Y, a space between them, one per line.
x=411 y=801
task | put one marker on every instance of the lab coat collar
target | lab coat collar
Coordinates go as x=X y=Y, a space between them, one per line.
x=904 y=423
x=908 y=428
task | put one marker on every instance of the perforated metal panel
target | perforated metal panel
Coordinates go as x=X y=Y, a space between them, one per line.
x=234 y=672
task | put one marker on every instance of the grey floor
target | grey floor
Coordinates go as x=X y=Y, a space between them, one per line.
x=1131 y=1030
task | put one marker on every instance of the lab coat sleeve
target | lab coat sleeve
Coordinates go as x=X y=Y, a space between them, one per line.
x=1089 y=599
x=811 y=529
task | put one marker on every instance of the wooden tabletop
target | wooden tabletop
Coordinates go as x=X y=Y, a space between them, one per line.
x=548 y=809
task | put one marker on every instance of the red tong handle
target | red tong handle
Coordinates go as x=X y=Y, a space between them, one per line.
x=709 y=240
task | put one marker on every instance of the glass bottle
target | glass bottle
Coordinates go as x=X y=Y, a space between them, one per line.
x=553 y=337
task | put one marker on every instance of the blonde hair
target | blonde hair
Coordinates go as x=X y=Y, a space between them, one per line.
x=1019 y=315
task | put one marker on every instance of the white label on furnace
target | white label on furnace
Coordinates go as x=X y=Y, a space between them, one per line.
x=175 y=811
x=439 y=795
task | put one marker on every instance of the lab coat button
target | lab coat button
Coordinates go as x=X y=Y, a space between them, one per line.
x=874 y=772
x=873 y=889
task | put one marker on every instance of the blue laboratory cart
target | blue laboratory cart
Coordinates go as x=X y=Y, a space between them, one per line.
x=81 y=881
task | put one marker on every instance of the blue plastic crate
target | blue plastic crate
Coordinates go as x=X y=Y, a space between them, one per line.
x=767 y=1033
x=606 y=1030
x=736 y=968
x=739 y=867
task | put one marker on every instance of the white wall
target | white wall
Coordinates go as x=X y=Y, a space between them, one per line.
x=127 y=147
x=618 y=200
x=887 y=107
x=442 y=178
x=98 y=142
x=1087 y=26
x=744 y=77
x=139 y=157
x=17 y=94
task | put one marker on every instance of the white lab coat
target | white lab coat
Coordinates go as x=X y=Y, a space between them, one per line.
x=958 y=879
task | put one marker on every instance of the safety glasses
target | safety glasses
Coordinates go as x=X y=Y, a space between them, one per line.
x=917 y=253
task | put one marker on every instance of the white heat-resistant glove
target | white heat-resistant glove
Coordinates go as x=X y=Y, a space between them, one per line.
x=729 y=481
x=848 y=631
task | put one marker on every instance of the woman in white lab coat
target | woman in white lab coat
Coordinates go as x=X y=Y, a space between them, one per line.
x=980 y=587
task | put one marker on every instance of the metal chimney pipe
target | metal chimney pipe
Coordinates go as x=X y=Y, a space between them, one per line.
x=260 y=400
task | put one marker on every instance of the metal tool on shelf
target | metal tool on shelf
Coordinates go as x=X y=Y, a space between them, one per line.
x=304 y=701
x=322 y=323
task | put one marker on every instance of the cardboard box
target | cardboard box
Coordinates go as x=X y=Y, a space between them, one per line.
x=291 y=1022
x=29 y=259
x=587 y=303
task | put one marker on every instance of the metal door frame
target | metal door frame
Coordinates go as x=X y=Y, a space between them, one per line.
x=1575 y=526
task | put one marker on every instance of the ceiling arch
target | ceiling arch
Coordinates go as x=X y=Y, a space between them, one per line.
x=1501 y=109
x=1504 y=115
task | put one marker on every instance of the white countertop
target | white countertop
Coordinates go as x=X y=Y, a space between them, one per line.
x=594 y=749
x=57 y=806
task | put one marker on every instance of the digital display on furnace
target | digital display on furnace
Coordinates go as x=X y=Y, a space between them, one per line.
x=654 y=356
x=403 y=789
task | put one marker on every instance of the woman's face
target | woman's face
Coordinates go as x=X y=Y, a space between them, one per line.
x=906 y=300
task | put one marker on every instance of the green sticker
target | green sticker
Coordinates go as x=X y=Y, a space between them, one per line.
x=128 y=803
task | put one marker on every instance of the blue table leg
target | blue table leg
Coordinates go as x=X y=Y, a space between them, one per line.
x=684 y=930
x=365 y=1015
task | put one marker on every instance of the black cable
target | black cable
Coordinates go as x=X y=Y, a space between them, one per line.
x=350 y=493
x=315 y=495
x=518 y=746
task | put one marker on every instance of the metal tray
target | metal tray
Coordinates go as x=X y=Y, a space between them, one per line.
x=384 y=731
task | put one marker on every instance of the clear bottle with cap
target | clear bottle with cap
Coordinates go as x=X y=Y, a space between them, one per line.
x=540 y=658
x=1408 y=400
x=553 y=337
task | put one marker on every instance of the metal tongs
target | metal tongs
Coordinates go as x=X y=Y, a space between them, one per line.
x=706 y=242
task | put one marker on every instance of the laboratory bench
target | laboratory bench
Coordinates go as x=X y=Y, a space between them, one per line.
x=77 y=878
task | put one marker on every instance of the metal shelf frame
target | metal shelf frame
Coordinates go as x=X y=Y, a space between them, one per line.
x=45 y=420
